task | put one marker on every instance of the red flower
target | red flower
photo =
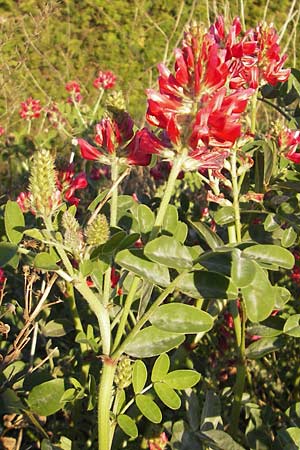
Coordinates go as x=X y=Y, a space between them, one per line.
x=113 y=137
x=158 y=443
x=105 y=80
x=30 y=109
x=74 y=88
x=2 y=131
x=194 y=106
x=288 y=141
x=23 y=201
x=68 y=183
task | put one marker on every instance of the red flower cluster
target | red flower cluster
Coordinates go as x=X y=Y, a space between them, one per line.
x=253 y=58
x=67 y=183
x=2 y=131
x=118 y=138
x=288 y=141
x=30 y=109
x=194 y=106
x=105 y=80
x=74 y=88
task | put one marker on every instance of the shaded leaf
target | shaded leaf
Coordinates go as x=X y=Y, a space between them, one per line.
x=45 y=399
x=208 y=285
x=292 y=326
x=263 y=346
x=45 y=261
x=210 y=237
x=7 y=252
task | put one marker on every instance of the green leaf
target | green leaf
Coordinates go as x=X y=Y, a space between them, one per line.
x=219 y=261
x=14 y=222
x=210 y=237
x=10 y=402
x=182 y=379
x=57 y=328
x=224 y=215
x=145 y=218
x=288 y=439
x=45 y=399
x=160 y=368
x=263 y=346
x=167 y=395
x=272 y=255
x=45 y=261
x=46 y=445
x=113 y=243
x=219 y=440
x=148 y=408
x=289 y=237
x=181 y=318
x=181 y=232
x=270 y=223
x=168 y=251
x=139 y=376
x=211 y=412
x=171 y=219
x=282 y=296
x=242 y=270
x=151 y=342
x=292 y=326
x=207 y=285
x=135 y=261
x=128 y=425
x=7 y=252
x=259 y=296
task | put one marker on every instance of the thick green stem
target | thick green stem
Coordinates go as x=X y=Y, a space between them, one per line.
x=176 y=168
x=100 y=312
x=105 y=395
x=129 y=300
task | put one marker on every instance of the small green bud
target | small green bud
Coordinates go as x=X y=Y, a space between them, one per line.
x=123 y=373
x=42 y=184
x=97 y=232
x=115 y=103
x=73 y=236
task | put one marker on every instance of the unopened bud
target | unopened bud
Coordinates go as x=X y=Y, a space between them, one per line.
x=43 y=190
x=97 y=232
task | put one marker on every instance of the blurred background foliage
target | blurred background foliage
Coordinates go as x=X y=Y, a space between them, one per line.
x=45 y=44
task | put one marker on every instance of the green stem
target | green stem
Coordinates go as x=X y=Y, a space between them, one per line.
x=99 y=310
x=129 y=300
x=113 y=223
x=104 y=404
x=77 y=324
x=235 y=194
x=118 y=352
x=97 y=105
x=176 y=168
x=238 y=389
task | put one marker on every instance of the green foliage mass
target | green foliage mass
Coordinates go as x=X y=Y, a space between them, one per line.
x=44 y=45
